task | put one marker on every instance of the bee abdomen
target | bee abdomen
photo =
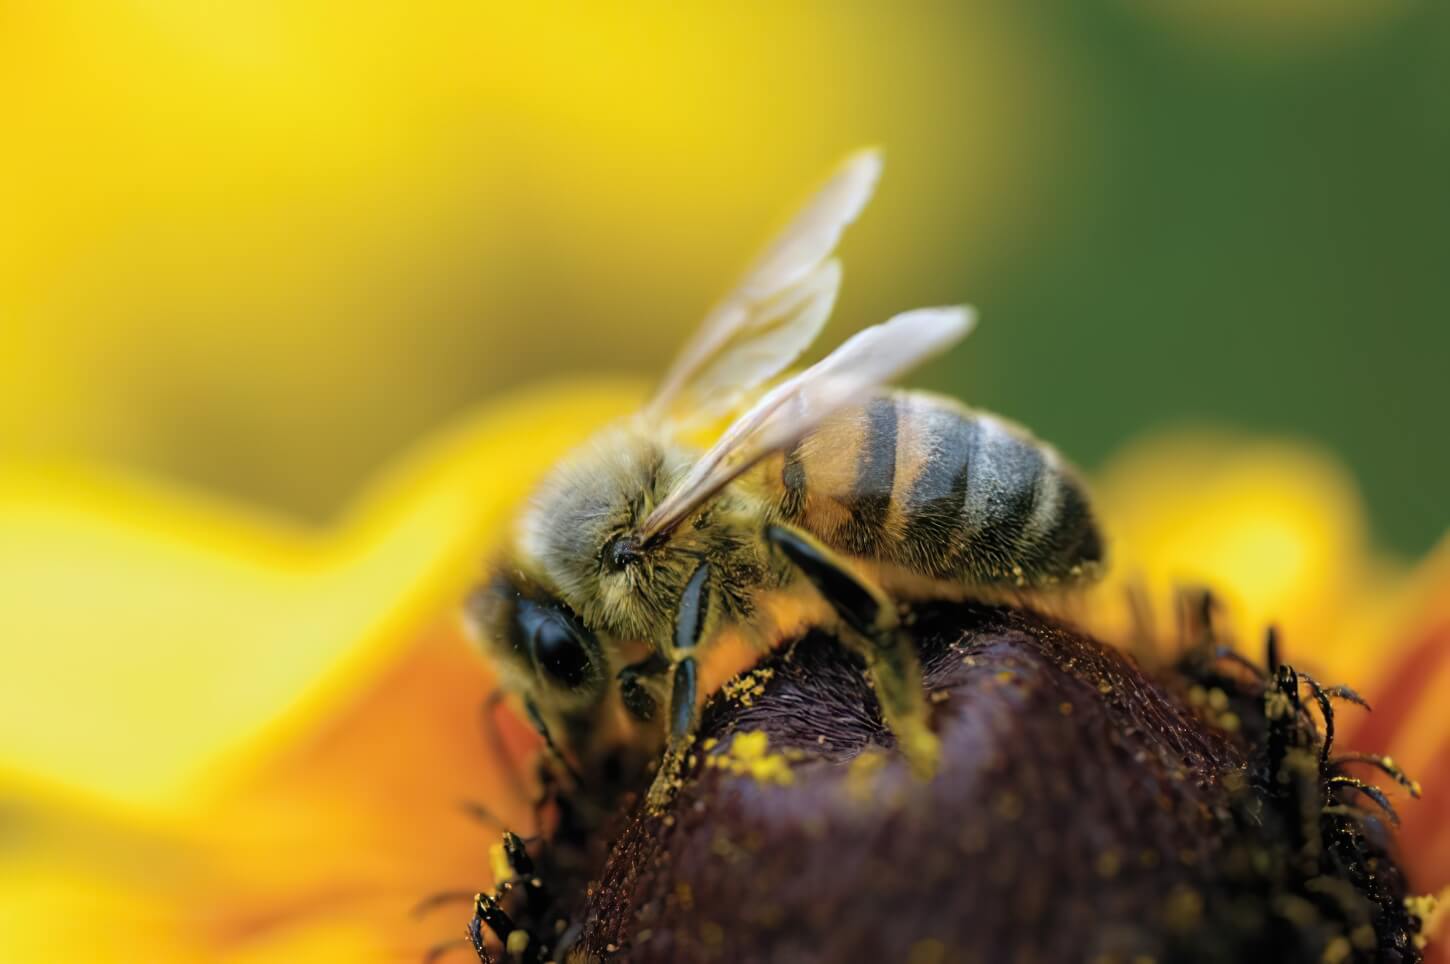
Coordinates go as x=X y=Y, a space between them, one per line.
x=922 y=482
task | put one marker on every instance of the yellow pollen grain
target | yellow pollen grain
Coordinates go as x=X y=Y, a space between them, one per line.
x=861 y=777
x=749 y=747
x=518 y=942
x=744 y=689
x=1277 y=705
x=927 y=951
x=498 y=863
x=1429 y=908
x=750 y=755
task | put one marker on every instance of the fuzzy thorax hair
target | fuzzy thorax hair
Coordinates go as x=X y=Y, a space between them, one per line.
x=576 y=537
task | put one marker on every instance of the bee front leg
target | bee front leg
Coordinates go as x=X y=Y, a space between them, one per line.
x=536 y=720
x=636 y=682
x=871 y=626
x=689 y=626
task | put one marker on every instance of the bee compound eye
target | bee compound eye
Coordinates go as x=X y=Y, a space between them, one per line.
x=559 y=650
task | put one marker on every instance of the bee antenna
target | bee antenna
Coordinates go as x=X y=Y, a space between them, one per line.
x=481 y=813
x=433 y=901
x=439 y=951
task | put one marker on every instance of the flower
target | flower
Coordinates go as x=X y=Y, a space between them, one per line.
x=1410 y=692
x=1277 y=531
x=227 y=739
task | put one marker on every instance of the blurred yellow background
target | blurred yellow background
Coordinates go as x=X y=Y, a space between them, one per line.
x=252 y=253
x=260 y=246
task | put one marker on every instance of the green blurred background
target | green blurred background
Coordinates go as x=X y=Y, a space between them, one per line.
x=262 y=247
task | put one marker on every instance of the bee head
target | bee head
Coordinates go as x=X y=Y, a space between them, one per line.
x=581 y=535
x=578 y=535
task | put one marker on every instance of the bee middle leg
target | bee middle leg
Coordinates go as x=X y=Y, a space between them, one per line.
x=872 y=628
x=683 y=715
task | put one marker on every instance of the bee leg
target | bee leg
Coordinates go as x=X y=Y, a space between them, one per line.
x=872 y=628
x=634 y=690
x=497 y=746
x=536 y=720
x=487 y=913
x=683 y=717
x=689 y=626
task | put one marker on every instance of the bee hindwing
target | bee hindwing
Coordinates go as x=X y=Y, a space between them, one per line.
x=778 y=307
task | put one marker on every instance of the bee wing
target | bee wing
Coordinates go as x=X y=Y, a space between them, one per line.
x=778 y=307
x=798 y=404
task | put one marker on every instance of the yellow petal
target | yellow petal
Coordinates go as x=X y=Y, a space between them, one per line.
x=1276 y=529
x=151 y=634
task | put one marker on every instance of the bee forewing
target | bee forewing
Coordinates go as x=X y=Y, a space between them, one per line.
x=747 y=338
x=785 y=324
x=815 y=231
x=799 y=404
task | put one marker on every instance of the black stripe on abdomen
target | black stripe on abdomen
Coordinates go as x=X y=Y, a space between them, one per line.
x=1075 y=538
x=933 y=506
x=1001 y=498
x=869 y=501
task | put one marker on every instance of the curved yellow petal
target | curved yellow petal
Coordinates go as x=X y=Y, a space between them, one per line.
x=262 y=753
x=1276 y=529
x=152 y=635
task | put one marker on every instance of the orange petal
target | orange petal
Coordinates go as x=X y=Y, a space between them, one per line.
x=1410 y=721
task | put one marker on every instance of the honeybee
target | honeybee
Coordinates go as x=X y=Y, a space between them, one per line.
x=829 y=498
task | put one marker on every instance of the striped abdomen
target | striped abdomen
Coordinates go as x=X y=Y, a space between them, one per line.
x=922 y=482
